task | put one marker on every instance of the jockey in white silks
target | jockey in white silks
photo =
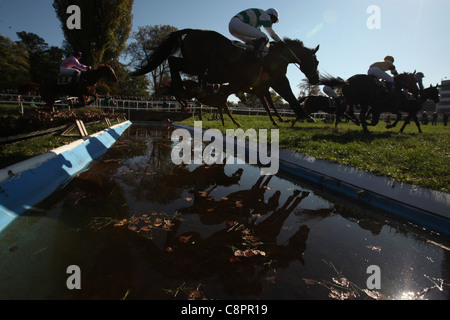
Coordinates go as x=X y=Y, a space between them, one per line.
x=246 y=27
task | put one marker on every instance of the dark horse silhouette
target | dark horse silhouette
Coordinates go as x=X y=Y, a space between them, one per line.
x=362 y=90
x=411 y=106
x=215 y=59
x=85 y=87
x=321 y=103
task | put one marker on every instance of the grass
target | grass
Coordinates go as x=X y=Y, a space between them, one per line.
x=419 y=159
x=19 y=151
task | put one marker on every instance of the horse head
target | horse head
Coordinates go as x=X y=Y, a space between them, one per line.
x=407 y=81
x=106 y=71
x=295 y=52
x=431 y=93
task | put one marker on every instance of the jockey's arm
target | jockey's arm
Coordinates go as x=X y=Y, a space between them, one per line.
x=394 y=71
x=273 y=34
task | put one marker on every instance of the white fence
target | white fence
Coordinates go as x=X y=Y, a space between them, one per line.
x=132 y=104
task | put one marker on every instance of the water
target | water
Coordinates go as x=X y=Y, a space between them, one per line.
x=140 y=227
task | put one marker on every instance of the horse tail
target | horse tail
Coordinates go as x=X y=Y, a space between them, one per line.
x=168 y=46
x=27 y=87
x=334 y=82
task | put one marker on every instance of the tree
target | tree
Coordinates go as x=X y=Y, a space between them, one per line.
x=145 y=40
x=307 y=89
x=44 y=60
x=105 y=28
x=14 y=65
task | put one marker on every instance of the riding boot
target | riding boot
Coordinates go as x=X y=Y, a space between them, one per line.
x=258 y=44
x=75 y=77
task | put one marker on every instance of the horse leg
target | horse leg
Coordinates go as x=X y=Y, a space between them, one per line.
x=225 y=106
x=416 y=120
x=362 y=118
x=176 y=65
x=399 y=117
x=272 y=105
x=405 y=123
x=283 y=88
x=266 y=106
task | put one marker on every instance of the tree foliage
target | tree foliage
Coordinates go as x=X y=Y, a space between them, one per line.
x=105 y=28
x=44 y=61
x=145 y=40
x=14 y=65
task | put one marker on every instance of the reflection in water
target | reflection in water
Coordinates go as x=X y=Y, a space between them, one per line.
x=137 y=224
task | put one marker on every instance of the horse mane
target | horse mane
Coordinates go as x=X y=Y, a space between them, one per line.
x=288 y=41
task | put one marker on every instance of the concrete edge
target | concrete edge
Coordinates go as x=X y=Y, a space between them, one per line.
x=25 y=184
x=418 y=205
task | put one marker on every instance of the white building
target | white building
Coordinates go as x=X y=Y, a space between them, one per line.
x=444 y=90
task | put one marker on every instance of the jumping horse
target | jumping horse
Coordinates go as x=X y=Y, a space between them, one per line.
x=215 y=59
x=85 y=87
x=363 y=91
x=410 y=105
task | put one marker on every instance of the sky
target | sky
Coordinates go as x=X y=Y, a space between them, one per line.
x=415 y=32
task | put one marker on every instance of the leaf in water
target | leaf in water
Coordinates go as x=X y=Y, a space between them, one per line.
x=146 y=228
x=121 y=223
x=234 y=259
x=248 y=253
x=210 y=210
x=374 y=248
x=168 y=249
x=188 y=199
x=194 y=295
x=339 y=295
x=132 y=227
x=239 y=204
x=239 y=253
x=309 y=281
x=341 y=281
x=184 y=239
x=375 y=295
x=158 y=222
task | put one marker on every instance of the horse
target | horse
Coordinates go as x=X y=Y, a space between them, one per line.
x=51 y=90
x=215 y=59
x=363 y=90
x=411 y=106
x=314 y=104
x=219 y=99
x=431 y=93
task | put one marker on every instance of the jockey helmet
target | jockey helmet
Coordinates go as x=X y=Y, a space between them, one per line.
x=273 y=12
x=77 y=54
x=390 y=58
x=420 y=75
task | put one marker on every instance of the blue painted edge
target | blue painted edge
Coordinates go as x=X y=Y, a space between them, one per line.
x=358 y=189
x=32 y=185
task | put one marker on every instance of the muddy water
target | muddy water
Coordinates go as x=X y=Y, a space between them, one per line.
x=140 y=227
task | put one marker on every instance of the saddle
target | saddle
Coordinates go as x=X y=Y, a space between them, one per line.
x=249 y=47
x=64 y=79
x=380 y=83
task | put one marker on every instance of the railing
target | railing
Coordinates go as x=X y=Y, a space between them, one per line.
x=114 y=105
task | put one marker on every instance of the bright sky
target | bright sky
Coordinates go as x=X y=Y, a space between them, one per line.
x=415 y=32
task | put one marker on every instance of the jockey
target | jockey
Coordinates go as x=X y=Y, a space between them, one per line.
x=419 y=76
x=378 y=70
x=246 y=27
x=334 y=98
x=71 y=66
